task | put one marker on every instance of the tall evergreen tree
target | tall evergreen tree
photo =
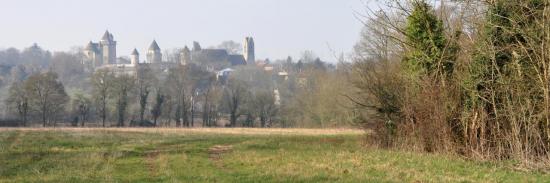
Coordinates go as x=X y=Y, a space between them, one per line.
x=428 y=49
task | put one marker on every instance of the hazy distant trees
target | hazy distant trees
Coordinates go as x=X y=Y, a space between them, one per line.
x=145 y=83
x=121 y=90
x=184 y=94
x=69 y=68
x=10 y=56
x=172 y=55
x=264 y=105
x=19 y=73
x=232 y=47
x=259 y=100
x=234 y=95
x=101 y=92
x=47 y=96
x=308 y=56
x=212 y=107
x=17 y=65
x=82 y=107
x=207 y=93
x=200 y=81
x=33 y=57
x=18 y=99
x=178 y=88
x=156 y=111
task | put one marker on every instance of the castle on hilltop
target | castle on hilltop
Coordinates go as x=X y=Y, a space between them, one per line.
x=103 y=55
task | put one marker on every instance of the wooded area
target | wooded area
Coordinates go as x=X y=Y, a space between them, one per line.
x=461 y=77
x=63 y=91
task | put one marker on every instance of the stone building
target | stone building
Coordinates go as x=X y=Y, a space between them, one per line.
x=215 y=59
x=103 y=55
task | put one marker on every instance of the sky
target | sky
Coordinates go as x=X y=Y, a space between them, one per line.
x=280 y=28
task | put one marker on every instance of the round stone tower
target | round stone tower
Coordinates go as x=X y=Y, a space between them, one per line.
x=134 y=57
x=185 y=56
x=154 y=54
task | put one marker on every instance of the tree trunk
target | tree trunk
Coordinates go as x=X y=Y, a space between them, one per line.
x=104 y=112
x=233 y=119
x=263 y=119
x=43 y=117
x=25 y=117
x=192 y=115
x=185 y=117
x=177 y=116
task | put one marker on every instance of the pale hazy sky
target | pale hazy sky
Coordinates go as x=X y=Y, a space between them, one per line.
x=279 y=27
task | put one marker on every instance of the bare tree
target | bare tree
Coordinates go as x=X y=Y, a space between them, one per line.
x=19 y=99
x=157 y=108
x=178 y=87
x=122 y=86
x=234 y=95
x=308 y=56
x=145 y=81
x=47 y=95
x=102 y=85
x=264 y=103
x=232 y=47
x=68 y=67
x=208 y=94
x=82 y=106
x=36 y=57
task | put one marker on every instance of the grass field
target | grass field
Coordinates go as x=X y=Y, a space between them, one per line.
x=226 y=155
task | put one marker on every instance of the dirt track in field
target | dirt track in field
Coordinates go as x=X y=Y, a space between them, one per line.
x=235 y=131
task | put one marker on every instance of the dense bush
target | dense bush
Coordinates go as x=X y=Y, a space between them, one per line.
x=432 y=84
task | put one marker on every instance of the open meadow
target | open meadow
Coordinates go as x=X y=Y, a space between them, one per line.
x=227 y=155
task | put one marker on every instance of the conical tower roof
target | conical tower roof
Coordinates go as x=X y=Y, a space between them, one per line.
x=135 y=52
x=154 y=46
x=106 y=36
x=91 y=47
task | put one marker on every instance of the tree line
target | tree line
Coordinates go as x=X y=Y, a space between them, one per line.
x=63 y=91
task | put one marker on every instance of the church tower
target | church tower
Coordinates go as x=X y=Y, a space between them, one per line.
x=134 y=58
x=154 y=54
x=185 y=56
x=248 y=51
x=108 y=48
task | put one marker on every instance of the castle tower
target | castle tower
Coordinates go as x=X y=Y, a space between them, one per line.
x=248 y=51
x=154 y=54
x=93 y=56
x=185 y=56
x=134 y=57
x=108 y=48
x=196 y=46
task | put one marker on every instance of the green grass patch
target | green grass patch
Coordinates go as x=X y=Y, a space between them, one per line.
x=103 y=156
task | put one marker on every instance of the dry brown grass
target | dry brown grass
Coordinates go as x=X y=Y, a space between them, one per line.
x=235 y=131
